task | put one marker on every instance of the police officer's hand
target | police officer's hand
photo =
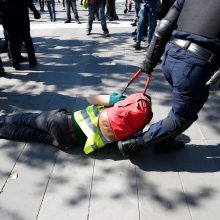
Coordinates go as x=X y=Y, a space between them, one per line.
x=37 y=15
x=147 y=66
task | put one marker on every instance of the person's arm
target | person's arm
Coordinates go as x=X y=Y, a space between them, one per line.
x=99 y=99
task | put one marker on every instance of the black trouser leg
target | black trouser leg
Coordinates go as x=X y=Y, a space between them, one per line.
x=24 y=133
x=14 y=45
x=29 y=46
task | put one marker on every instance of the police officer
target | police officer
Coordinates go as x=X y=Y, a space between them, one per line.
x=16 y=23
x=191 y=57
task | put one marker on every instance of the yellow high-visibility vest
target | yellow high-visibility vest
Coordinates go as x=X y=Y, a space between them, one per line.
x=88 y=120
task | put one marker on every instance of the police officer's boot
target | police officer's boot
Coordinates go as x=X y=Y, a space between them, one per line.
x=131 y=146
x=160 y=144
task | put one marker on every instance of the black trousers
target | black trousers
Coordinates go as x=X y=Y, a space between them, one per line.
x=49 y=127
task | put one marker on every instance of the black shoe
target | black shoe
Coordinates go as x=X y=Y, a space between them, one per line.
x=134 y=33
x=133 y=24
x=78 y=21
x=137 y=46
x=125 y=11
x=129 y=147
x=148 y=44
x=16 y=66
x=2 y=71
x=23 y=59
x=168 y=145
x=88 y=32
x=106 y=34
x=33 y=64
x=67 y=21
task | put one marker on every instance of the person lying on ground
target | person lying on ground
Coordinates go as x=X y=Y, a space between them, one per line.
x=109 y=118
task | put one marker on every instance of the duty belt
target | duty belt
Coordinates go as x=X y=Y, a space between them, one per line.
x=201 y=52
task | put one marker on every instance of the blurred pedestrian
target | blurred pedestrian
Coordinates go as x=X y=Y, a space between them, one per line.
x=2 y=70
x=16 y=23
x=51 y=9
x=150 y=7
x=41 y=2
x=97 y=6
x=71 y=4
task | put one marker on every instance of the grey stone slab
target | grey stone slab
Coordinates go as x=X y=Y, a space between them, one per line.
x=114 y=191
x=22 y=197
x=68 y=192
x=159 y=186
x=201 y=182
x=209 y=118
x=10 y=153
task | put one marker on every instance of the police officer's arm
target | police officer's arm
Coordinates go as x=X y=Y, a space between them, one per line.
x=99 y=100
x=162 y=35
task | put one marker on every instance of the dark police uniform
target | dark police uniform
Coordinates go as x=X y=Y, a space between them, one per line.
x=16 y=23
x=191 y=57
x=185 y=71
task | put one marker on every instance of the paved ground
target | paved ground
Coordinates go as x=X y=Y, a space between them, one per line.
x=53 y=184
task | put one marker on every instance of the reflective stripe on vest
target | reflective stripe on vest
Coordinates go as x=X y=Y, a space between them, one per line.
x=87 y=119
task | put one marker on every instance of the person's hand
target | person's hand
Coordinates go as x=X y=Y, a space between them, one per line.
x=37 y=15
x=147 y=66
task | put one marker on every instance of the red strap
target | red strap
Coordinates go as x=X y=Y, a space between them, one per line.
x=136 y=75
x=147 y=83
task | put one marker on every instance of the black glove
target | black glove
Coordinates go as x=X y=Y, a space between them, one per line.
x=37 y=15
x=147 y=66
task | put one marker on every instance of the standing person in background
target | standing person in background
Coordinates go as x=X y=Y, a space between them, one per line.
x=2 y=70
x=16 y=23
x=71 y=4
x=41 y=2
x=64 y=5
x=111 y=12
x=164 y=8
x=97 y=6
x=149 y=7
x=51 y=9
x=137 y=5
